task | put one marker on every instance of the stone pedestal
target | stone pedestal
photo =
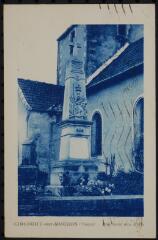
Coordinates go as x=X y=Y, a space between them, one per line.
x=75 y=140
x=75 y=169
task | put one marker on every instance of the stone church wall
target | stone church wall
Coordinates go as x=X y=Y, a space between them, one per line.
x=48 y=142
x=102 y=43
x=39 y=125
x=115 y=104
x=22 y=126
x=135 y=32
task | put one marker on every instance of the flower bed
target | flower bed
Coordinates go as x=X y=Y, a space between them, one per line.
x=102 y=185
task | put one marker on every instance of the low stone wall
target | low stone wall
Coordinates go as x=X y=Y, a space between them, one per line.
x=86 y=206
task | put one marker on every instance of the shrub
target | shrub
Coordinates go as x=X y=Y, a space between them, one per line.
x=128 y=183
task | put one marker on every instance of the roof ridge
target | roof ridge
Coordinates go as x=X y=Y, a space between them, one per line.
x=120 y=51
x=39 y=82
x=140 y=39
x=137 y=65
x=128 y=51
x=107 y=62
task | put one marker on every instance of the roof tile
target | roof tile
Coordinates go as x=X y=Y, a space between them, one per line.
x=41 y=96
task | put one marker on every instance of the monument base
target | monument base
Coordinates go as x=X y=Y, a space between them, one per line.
x=74 y=168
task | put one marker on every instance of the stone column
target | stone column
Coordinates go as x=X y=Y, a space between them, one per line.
x=75 y=157
x=75 y=134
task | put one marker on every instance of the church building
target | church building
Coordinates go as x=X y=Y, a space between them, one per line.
x=92 y=120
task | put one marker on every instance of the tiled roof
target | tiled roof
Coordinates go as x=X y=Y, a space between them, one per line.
x=41 y=96
x=131 y=57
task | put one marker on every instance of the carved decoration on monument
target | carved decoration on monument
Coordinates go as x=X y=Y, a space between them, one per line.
x=76 y=66
x=78 y=104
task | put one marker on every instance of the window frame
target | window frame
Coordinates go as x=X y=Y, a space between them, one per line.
x=139 y=98
x=98 y=152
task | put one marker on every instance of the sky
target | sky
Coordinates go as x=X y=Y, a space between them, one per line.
x=34 y=46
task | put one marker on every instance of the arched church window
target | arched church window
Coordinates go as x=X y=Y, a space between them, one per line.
x=138 y=121
x=96 y=135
